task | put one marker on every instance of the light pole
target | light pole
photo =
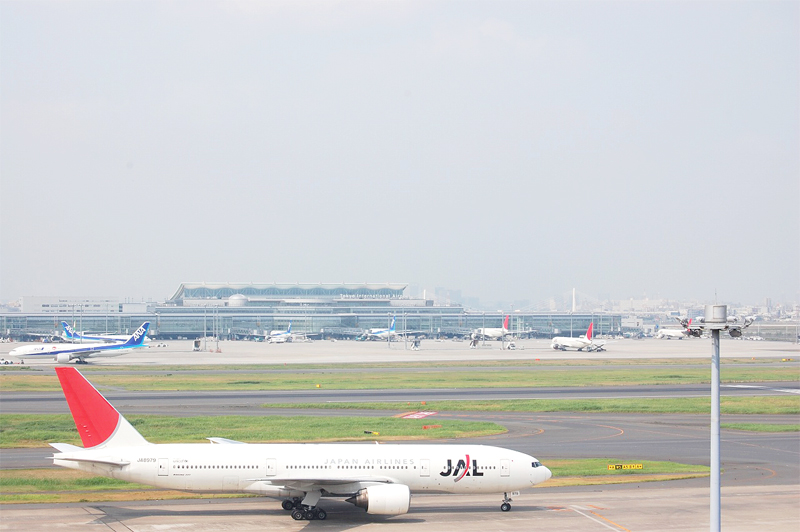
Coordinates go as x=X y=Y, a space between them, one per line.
x=716 y=320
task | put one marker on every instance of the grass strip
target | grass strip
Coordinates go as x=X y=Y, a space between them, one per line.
x=36 y=430
x=677 y=405
x=762 y=427
x=489 y=378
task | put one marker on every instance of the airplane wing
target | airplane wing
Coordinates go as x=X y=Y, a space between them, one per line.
x=338 y=486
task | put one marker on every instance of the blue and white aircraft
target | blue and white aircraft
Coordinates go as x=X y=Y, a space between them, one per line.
x=64 y=353
x=73 y=336
x=279 y=337
x=373 y=334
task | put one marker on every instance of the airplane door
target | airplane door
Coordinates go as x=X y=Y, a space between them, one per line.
x=272 y=466
x=505 y=468
x=163 y=467
x=425 y=468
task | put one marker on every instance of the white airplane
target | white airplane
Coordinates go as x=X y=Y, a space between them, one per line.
x=64 y=353
x=492 y=333
x=672 y=334
x=580 y=343
x=378 y=478
x=676 y=334
x=74 y=336
x=375 y=334
x=280 y=337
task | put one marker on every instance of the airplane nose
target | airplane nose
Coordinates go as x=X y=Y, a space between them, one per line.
x=548 y=473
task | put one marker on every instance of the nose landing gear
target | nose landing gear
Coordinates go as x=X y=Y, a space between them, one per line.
x=506 y=506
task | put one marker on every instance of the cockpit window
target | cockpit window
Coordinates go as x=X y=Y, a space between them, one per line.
x=536 y=464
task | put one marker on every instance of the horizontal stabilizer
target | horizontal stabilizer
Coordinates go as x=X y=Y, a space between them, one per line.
x=109 y=461
x=66 y=447
x=225 y=441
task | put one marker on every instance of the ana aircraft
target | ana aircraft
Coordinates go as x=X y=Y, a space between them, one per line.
x=378 y=478
x=74 y=336
x=64 y=353
x=580 y=343
x=492 y=333
x=279 y=337
x=376 y=334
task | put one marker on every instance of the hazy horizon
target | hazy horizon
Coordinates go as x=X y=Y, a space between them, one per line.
x=512 y=150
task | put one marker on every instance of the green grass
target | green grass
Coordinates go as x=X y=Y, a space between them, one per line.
x=678 y=405
x=32 y=481
x=37 y=430
x=434 y=378
x=599 y=466
x=762 y=427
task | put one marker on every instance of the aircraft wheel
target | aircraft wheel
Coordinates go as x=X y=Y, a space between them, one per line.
x=505 y=507
x=310 y=514
x=287 y=505
x=321 y=514
x=297 y=515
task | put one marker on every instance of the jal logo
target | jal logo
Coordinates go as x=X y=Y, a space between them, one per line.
x=461 y=470
x=138 y=333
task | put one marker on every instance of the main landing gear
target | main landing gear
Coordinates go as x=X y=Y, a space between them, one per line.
x=506 y=506
x=301 y=511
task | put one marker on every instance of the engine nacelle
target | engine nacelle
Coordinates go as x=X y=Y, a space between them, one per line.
x=62 y=358
x=383 y=499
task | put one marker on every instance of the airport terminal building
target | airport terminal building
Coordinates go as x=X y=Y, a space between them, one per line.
x=252 y=310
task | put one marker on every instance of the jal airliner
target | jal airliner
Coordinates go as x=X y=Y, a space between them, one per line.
x=492 y=333
x=378 y=478
x=561 y=343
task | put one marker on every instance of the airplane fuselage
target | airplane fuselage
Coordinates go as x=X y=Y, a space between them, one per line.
x=91 y=350
x=560 y=342
x=265 y=469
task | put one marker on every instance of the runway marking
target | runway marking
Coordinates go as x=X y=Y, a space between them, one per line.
x=618 y=527
x=756 y=387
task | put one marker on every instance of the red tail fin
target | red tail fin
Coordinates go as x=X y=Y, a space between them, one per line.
x=97 y=421
x=95 y=418
x=505 y=322
x=589 y=332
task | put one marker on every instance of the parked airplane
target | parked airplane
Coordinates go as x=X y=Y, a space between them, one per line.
x=672 y=334
x=580 y=343
x=375 y=334
x=677 y=334
x=492 y=333
x=74 y=336
x=64 y=353
x=279 y=337
x=378 y=478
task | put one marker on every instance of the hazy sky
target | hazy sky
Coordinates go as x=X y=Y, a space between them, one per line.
x=512 y=150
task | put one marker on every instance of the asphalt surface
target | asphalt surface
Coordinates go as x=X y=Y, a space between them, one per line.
x=760 y=484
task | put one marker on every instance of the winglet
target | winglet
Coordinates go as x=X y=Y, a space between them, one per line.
x=391 y=329
x=289 y=329
x=98 y=423
x=589 y=332
x=505 y=322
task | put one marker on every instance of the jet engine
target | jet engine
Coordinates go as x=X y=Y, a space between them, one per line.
x=62 y=358
x=383 y=499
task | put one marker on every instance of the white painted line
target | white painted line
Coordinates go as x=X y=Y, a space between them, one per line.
x=593 y=519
